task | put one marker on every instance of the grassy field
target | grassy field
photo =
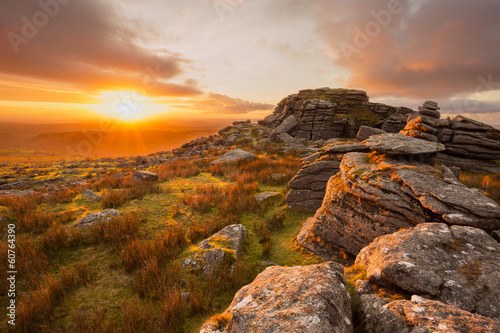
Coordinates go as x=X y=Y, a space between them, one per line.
x=125 y=275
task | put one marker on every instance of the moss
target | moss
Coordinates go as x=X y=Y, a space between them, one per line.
x=471 y=271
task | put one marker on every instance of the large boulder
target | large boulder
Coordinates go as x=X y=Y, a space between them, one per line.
x=235 y=156
x=220 y=250
x=419 y=315
x=97 y=217
x=374 y=195
x=366 y=131
x=456 y=265
x=285 y=127
x=291 y=299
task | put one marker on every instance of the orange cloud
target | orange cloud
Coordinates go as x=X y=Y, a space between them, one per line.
x=423 y=49
x=85 y=45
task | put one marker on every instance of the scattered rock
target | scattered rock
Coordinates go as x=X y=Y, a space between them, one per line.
x=265 y=195
x=292 y=299
x=145 y=175
x=235 y=156
x=14 y=193
x=97 y=217
x=220 y=250
x=91 y=195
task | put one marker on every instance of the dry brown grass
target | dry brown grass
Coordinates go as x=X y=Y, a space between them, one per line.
x=36 y=308
x=136 y=253
x=135 y=190
x=179 y=168
x=490 y=184
x=270 y=170
x=118 y=230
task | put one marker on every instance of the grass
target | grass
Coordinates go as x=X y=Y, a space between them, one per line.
x=125 y=274
x=489 y=184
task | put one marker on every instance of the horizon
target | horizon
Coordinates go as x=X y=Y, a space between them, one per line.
x=223 y=60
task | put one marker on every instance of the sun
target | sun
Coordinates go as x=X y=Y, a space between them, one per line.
x=124 y=105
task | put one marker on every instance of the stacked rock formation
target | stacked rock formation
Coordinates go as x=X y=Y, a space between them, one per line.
x=398 y=186
x=325 y=113
x=423 y=124
x=308 y=187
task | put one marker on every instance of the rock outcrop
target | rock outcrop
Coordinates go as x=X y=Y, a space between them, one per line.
x=291 y=299
x=92 y=218
x=220 y=250
x=325 y=113
x=308 y=187
x=455 y=265
x=375 y=194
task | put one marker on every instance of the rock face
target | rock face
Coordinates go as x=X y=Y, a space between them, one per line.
x=365 y=132
x=327 y=113
x=455 y=265
x=221 y=249
x=420 y=315
x=234 y=156
x=374 y=195
x=292 y=299
x=98 y=217
x=308 y=187
x=398 y=144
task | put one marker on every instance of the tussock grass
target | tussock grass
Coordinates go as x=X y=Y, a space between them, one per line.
x=135 y=190
x=179 y=168
x=490 y=184
x=268 y=170
x=35 y=309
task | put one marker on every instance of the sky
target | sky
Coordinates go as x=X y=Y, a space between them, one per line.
x=73 y=60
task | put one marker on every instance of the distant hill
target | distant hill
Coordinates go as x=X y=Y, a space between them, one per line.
x=84 y=139
x=112 y=144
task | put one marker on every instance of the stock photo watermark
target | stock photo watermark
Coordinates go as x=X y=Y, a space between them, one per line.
x=363 y=36
x=11 y=273
x=225 y=7
x=485 y=85
x=31 y=25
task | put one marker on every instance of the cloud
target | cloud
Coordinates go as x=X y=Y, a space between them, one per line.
x=222 y=104
x=89 y=45
x=421 y=49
